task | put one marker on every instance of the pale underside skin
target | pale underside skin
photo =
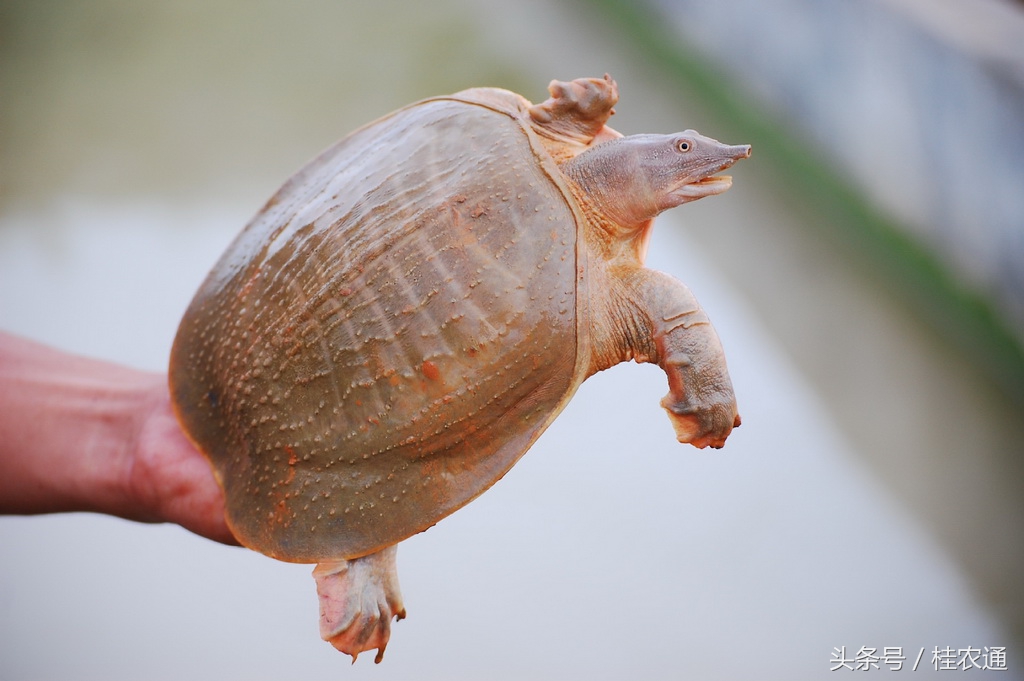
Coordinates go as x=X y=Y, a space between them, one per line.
x=407 y=473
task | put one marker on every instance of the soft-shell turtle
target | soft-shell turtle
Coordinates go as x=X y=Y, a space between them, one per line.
x=409 y=312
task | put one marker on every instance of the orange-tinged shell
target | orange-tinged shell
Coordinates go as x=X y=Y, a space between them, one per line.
x=389 y=335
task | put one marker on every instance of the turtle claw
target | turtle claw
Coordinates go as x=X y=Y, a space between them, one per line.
x=358 y=598
x=704 y=426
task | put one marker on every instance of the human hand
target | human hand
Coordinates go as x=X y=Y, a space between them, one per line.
x=170 y=480
x=79 y=434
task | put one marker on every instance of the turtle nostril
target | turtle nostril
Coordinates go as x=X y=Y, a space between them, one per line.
x=738 y=152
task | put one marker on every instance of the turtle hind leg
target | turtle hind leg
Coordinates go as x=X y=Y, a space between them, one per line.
x=575 y=114
x=358 y=598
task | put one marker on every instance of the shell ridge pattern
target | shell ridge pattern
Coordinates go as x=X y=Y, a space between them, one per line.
x=399 y=350
x=297 y=191
x=311 y=222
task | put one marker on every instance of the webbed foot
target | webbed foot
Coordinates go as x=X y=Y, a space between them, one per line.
x=358 y=598
x=702 y=421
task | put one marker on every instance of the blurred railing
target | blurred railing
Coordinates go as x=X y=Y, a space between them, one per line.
x=900 y=122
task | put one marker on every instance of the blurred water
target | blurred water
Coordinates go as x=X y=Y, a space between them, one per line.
x=609 y=551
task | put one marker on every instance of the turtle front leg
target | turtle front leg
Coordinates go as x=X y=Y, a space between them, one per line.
x=700 y=403
x=358 y=598
x=666 y=325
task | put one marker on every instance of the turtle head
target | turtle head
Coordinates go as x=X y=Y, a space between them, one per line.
x=631 y=179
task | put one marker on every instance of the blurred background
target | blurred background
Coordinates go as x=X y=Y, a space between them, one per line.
x=865 y=272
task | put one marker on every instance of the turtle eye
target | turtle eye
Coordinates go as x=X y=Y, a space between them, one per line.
x=684 y=145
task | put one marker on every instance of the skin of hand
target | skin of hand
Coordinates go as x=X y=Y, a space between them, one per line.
x=79 y=434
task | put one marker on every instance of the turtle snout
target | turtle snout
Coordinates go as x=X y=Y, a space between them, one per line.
x=733 y=153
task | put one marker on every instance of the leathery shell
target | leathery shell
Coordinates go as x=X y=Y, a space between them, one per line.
x=388 y=335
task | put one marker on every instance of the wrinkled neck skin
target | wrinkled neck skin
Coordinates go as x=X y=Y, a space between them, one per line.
x=620 y=203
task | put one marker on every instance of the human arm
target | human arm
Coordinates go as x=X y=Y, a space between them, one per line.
x=79 y=434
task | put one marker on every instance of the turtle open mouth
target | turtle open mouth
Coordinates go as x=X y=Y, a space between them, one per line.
x=706 y=186
x=715 y=179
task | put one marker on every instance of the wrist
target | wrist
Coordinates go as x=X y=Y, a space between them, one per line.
x=68 y=426
x=127 y=404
